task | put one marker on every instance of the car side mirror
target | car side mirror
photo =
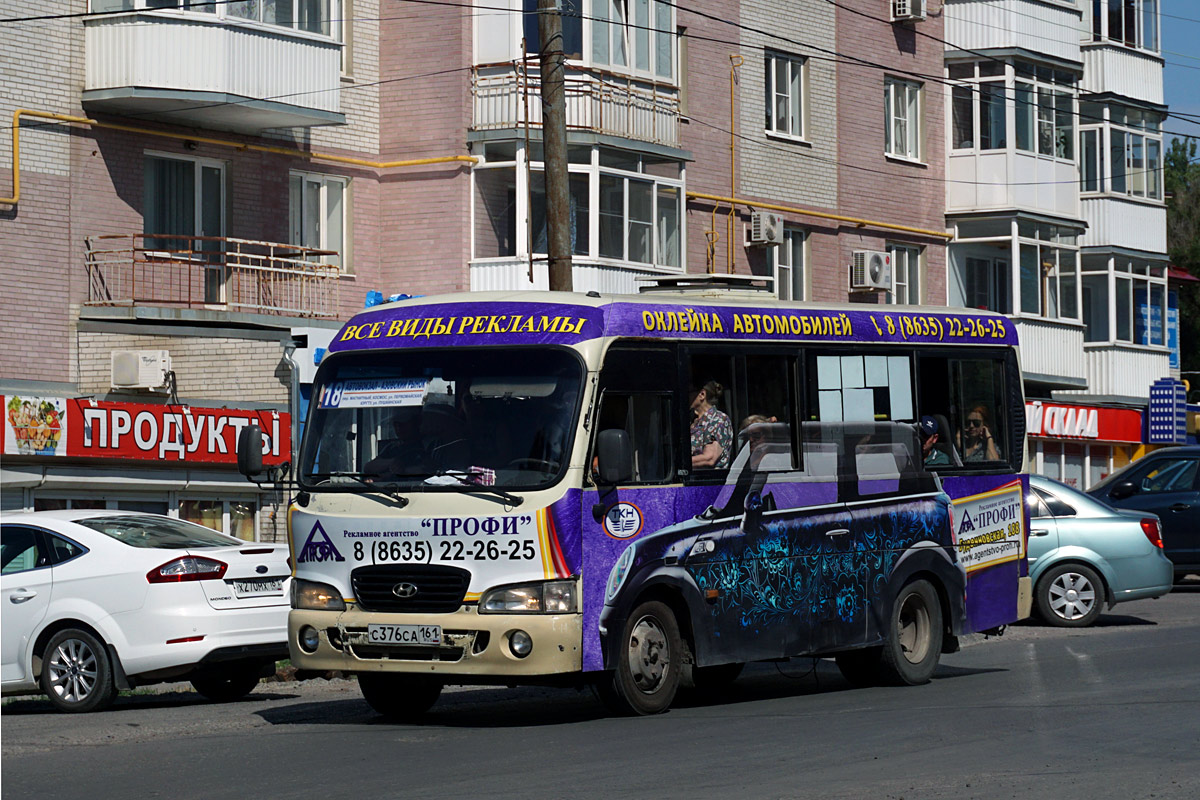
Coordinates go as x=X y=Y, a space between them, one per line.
x=1122 y=490
x=249 y=451
x=614 y=456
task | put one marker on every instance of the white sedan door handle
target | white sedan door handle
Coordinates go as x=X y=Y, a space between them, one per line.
x=21 y=595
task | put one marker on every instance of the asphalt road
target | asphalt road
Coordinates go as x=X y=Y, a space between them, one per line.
x=1108 y=712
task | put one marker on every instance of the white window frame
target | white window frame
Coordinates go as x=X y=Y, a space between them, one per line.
x=225 y=11
x=911 y=96
x=619 y=24
x=1038 y=86
x=1146 y=182
x=1097 y=28
x=793 y=125
x=791 y=278
x=907 y=275
x=297 y=236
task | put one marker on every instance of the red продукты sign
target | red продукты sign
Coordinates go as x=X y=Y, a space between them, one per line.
x=79 y=427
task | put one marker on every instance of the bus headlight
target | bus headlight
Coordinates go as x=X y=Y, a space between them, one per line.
x=313 y=596
x=552 y=597
x=617 y=576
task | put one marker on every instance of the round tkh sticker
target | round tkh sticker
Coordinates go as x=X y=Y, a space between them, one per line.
x=623 y=521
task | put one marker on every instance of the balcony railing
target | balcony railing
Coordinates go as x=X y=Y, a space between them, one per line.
x=1052 y=351
x=212 y=272
x=509 y=94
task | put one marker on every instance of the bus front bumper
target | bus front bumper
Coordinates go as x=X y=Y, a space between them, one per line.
x=473 y=644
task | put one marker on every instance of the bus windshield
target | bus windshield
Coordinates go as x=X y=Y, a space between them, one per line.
x=443 y=418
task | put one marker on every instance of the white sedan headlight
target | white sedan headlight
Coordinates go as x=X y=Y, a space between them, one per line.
x=552 y=597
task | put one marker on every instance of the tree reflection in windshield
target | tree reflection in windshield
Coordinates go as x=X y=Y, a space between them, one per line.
x=443 y=418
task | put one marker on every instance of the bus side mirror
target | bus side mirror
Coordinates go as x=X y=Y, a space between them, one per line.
x=1122 y=490
x=249 y=451
x=614 y=454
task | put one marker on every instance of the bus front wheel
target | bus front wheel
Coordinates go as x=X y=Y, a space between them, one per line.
x=914 y=639
x=649 y=662
x=402 y=698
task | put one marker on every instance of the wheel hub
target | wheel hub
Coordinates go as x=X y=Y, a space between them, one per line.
x=649 y=656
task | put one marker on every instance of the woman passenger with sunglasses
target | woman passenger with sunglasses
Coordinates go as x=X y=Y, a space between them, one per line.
x=976 y=442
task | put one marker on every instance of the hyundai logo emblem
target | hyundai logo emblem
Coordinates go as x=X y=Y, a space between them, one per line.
x=261 y=569
x=404 y=590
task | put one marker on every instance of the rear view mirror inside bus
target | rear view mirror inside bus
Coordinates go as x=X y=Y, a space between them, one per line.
x=249 y=451
x=614 y=455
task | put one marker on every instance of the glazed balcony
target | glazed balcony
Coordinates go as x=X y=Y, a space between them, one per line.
x=212 y=272
x=211 y=70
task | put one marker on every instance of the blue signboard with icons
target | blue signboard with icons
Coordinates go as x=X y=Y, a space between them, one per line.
x=1166 y=420
x=1173 y=327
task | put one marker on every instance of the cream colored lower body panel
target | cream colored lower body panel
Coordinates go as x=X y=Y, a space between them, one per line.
x=473 y=644
x=1024 y=597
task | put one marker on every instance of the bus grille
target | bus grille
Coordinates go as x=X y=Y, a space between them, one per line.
x=439 y=590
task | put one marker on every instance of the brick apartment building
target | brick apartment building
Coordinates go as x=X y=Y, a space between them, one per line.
x=225 y=139
x=215 y=186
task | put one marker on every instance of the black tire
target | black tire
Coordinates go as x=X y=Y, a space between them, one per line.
x=649 y=663
x=914 y=639
x=399 y=698
x=863 y=667
x=77 y=674
x=1070 y=596
x=227 y=686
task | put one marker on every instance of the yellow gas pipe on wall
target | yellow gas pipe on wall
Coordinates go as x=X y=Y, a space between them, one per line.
x=260 y=148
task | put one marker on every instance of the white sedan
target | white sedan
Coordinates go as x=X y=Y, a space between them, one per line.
x=97 y=601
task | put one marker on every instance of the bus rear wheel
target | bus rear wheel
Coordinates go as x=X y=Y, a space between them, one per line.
x=914 y=639
x=649 y=662
x=401 y=698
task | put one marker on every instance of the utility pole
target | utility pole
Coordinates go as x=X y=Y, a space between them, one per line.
x=554 y=142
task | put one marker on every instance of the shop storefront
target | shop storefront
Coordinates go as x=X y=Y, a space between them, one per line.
x=66 y=453
x=1081 y=444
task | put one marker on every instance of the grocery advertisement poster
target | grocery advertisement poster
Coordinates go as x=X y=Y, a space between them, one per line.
x=35 y=425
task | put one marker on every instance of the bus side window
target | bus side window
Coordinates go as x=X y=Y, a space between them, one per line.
x=967 y=398
x=646 y=418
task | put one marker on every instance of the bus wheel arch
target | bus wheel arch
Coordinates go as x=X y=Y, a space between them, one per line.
x=649 y=656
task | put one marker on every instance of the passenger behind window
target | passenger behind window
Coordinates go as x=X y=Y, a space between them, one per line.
x=712 y=432
x=933 y=455
x=975 y=441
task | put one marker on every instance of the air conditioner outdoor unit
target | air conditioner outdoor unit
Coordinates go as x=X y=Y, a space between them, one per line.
x=766 y=229
x=140 y=369
x=872 y=269
x=907 y=10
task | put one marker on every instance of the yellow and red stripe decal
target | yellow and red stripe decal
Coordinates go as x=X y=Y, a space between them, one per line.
x=553 y=563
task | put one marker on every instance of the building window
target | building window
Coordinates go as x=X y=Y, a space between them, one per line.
x=1045 y=259
x=1124 y=300
x=184 y=214
x=1133 y=23
x=789 y=260
x=643 y=29
x=979 y=106
x=785 y=95
x=906 y=275
x=233 y=517
x=317 y=213
x=323 y=17
x=1045 y=110
x=902 y=118
x=623 y=206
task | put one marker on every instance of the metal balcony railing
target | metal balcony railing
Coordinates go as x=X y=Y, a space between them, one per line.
x=212 y=272
x=507 y=95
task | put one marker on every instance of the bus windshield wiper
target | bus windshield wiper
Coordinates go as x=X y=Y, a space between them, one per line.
x=389 y=488
x=472 y=486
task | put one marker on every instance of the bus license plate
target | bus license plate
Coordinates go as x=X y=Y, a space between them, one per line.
x=404 y=634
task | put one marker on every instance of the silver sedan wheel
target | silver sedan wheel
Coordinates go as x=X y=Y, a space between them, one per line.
x=73 y=671
x=649 y=654
x=1072 y=596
